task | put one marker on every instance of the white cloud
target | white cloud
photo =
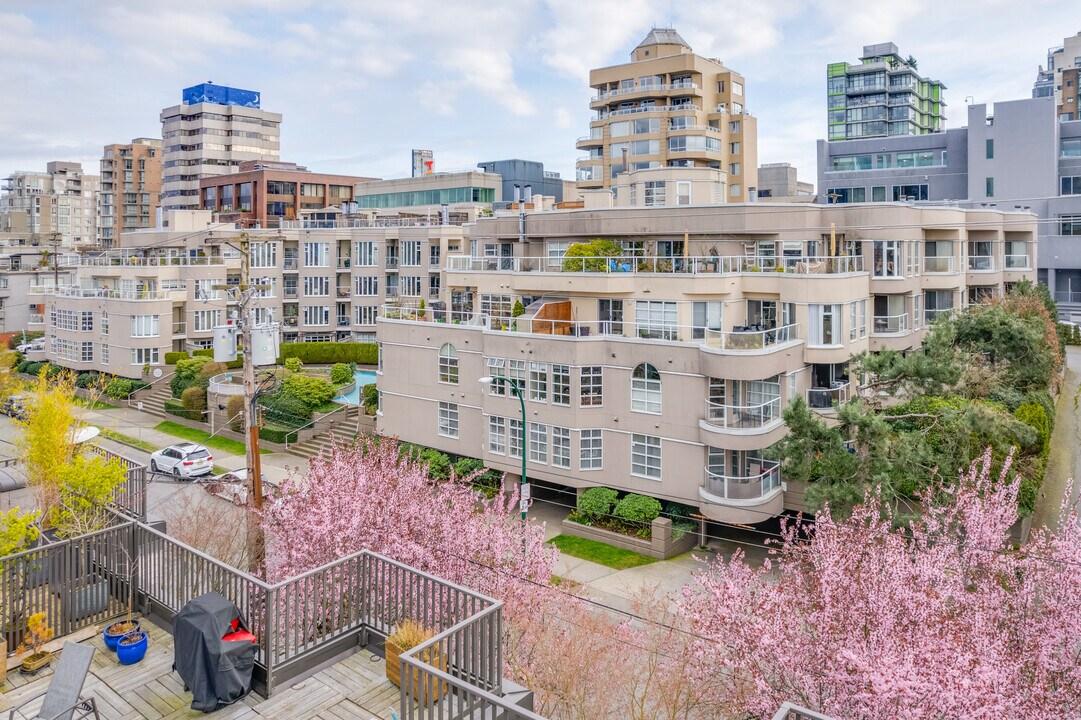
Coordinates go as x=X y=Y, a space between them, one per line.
x=562 y=118
x=585 y=34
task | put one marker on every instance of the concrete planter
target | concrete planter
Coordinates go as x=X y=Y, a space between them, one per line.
x=661 y=546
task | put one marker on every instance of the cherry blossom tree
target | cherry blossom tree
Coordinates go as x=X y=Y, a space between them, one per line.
x=944 y=618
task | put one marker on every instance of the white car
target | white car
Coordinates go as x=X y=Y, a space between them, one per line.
x=32 y=346
x=233 y=485
x=183 y=460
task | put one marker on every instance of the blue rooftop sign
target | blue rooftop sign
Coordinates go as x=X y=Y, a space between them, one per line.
x=221 y=95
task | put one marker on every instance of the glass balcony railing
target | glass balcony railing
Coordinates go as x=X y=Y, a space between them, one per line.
x=825 y=398
x=981 y=262
x=759 y=479
x=939 y=264
x=679 y=265
x=886 y=324
x=743 y=417
x=1018 y=262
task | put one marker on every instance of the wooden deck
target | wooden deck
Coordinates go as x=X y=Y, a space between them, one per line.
x=355 y=688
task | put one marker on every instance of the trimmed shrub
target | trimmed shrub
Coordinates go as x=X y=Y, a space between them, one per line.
x=597 y=503
x=24 y=366
x=312 y=391
x=52 y=371
x=276 y=434
x=194 y=399
x=176 y=407
x=234 y=412
x=87 y=379
x=34 y=368
x=171 y=358
x=119 y=388
x=370 y=393
x=466 y=466
x=327 y=353
x=286 y=409
x=203 y=352
x=293 y=364
x=436 y=463
x=139 y=385
x=340 y=373
x=637 y=509
x=1033 y=415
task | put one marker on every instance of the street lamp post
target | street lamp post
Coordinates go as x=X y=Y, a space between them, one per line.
x=523 y=500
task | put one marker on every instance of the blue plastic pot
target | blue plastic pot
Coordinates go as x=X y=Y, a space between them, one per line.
x=129 y=654
x=111 y=640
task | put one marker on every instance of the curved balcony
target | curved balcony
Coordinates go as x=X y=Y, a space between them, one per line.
x=746 y=498
x=890 y=324
x=226 y=384
x=827 y=400
x=744 y=419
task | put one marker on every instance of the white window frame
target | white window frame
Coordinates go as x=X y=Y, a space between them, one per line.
x=448 y=419
x=591 y=449
x=595 y=382
x=559 y=380
x=538 y=382
x=646 y=391
x=316 y=254
x=646 y=456
x=448 y=364
x=145 y=325
x=538 y=443
x=561 y=447
x=497 y=435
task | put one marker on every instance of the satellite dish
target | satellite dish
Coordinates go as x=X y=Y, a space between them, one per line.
x=85 y=434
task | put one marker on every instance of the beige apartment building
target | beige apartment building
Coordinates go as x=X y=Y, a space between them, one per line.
x=59 y=204
x=160 y=291
x=669 y=107
x=20 y=270
x=666 y=371
x=212 y=131
x=130 y=188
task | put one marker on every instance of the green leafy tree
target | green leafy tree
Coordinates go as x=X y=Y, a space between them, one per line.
x=86 y=488
x=340 y=373
x=592 y=256
x=18 y=531
x=312 y=391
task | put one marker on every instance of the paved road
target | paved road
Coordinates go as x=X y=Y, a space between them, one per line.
x=1064 y=460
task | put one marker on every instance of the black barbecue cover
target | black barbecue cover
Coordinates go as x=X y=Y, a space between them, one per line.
x=217 y=672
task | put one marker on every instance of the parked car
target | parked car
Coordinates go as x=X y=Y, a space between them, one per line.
x=32 y=346
x=233 y=485
x=183 y=460
x=15 y=406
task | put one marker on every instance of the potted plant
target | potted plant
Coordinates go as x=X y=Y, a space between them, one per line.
x=38 y=633
x=132 y=647
x=407 y=635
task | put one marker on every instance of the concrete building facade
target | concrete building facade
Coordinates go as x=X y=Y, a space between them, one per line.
x=669 y=107
x=466 y=194
x=523 y=173
x=130 y=188
x=666 y=371
x=882 y=96
x=1012 y=155
x=20 y=270
x=263 y=194
x=212 y=131
x=1060 y=78
x=59 y=204
x=778 y=182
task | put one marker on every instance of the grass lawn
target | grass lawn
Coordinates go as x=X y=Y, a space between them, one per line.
x=97 y=405
x=613 y=557
x=202 y=437
x=128 y=440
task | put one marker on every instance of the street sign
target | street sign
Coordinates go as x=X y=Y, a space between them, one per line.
x=526 y=491
x=523 y=505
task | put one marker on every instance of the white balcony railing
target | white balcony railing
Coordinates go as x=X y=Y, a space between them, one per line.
x=886 y=324
x=1018 y=262
x=729 y=265
x=761 y=478
x=743 y=417
x=117 y=260
x=826 y=398
x=177 y=293
x=939 y=264
x=643 y=88
x=981 y=262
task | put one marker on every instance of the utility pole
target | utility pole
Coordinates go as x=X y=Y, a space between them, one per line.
x=55 y=242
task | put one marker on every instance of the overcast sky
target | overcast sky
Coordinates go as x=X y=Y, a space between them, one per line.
x=360 y=83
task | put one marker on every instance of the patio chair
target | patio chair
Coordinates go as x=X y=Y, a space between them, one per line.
x=62 y=699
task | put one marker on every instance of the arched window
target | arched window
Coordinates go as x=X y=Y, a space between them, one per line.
x=646 y=389
x=448 y=364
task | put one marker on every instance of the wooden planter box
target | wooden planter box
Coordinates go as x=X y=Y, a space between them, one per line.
x=424 y=693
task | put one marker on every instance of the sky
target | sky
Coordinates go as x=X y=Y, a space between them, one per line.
x=360 y=83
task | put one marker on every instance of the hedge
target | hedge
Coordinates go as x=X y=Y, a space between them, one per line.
x=596 y=503
x=209 y=353
x=172 y=357
x=637 y=509
x=176 y=407
x=277 y=434
x=328 y=353
x=287 y=409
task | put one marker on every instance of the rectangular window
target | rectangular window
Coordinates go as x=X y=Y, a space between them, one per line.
x=561 y=384
x=264 y=255
x=654 y=193
x=733 y=148
x=410 y=253
x=87 y=354
x=989 y=187
x=990 y=148
x=316 y=286
x=144 y=356
x=144 y=325
x=590 y=449
x=555 y=251
x=878 y=193
x=1069 y=224
x=909 y=192
x=646 y=456
x=316 y=254
x=87 y=321
x=367 y=285
x=656 y=320
x=852 y=329
x=514 y=438
x=538 y=382
x=887 y=258
x=448 y=419
x=561 y=447
x=104 y=354
x=317 y=315
x=207 y=319
x=683 y=193
x=366 y=314
x=516 y=372
x=496 y=365
x=365 y=254
x=863 y=318
x=497 y=435
x=592 y=390
x=538 y=443
x=823 y=319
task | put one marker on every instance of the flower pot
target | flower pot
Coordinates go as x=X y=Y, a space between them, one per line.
x=132 y=647
x=33 y=663
x=112 y=634
x=426 y=693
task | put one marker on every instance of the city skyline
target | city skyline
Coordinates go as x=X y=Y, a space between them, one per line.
x=488 y=81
